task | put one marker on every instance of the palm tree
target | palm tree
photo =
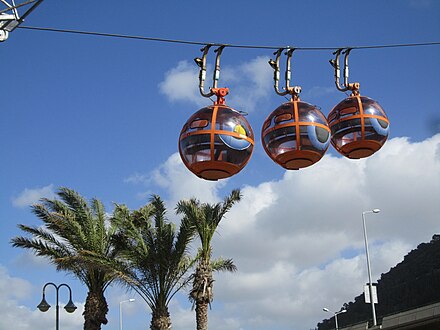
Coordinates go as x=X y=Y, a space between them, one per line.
x=206 y=218
x=72 y=226
x=153 y=257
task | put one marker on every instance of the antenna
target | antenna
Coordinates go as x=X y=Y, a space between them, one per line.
x=10 y=16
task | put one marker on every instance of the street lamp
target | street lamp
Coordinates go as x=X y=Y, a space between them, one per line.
x=120 y=311
x=370 y=283
x=43 y=306
x=335 y=314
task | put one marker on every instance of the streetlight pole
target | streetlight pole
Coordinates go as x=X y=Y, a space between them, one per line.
x=370 y=283
x=335 y=314
x=44 y=306
x=120 y=311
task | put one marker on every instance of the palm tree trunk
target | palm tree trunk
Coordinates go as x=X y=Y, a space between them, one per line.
x=202 y=315
x=160 y=319
x=202 y=294
x=95 y=311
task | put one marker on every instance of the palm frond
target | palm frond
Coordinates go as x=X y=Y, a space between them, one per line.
x=228 y=202
x=206 y=218
x=43 y=236
x=70 y=226
x=40 y=247
x=100 y=239
x=74 y=201
x=222 y=265
x=155 y=251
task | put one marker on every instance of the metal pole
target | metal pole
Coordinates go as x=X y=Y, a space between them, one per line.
x=57 y=308
x=335 y=314
x=370 y=283
x=120 y=315
x=120 y=311
x=57 y=317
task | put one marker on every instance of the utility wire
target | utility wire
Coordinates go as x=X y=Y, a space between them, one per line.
x=188 y=42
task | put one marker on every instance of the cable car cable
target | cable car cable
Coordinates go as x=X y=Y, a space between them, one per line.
x=188 y=42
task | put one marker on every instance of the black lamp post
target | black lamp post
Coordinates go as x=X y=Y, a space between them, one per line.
x=44 y=306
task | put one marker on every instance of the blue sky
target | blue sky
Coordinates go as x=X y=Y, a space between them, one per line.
x=103 y=116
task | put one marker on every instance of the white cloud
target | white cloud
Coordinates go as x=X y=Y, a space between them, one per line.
x=30 y=196
x=280 y=295
x=137 y=178
x=178 y=181
x=250 y=83
x=19 y=317
x=21 y=287
x=29 y=261
x=298 y=240
x=181 y=84
x=181 y=317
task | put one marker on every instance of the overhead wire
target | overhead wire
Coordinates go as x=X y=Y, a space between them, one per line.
x=189 y=42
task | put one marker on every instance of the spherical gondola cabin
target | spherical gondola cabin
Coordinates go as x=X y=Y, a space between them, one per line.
x=295 y=135
x=216 y=142
x=359 y=127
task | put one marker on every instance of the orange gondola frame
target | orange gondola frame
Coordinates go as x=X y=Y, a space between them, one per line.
x=358 y=124
x=296 y=134
x=217 y=141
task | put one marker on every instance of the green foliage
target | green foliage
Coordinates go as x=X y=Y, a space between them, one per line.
x=153 y=257
x=72 y=228
x=205 y=218
x=219 y=265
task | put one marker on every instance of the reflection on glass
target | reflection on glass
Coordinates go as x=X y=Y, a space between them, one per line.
x=219 y=152
x=359 y=127
x=296 y=135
